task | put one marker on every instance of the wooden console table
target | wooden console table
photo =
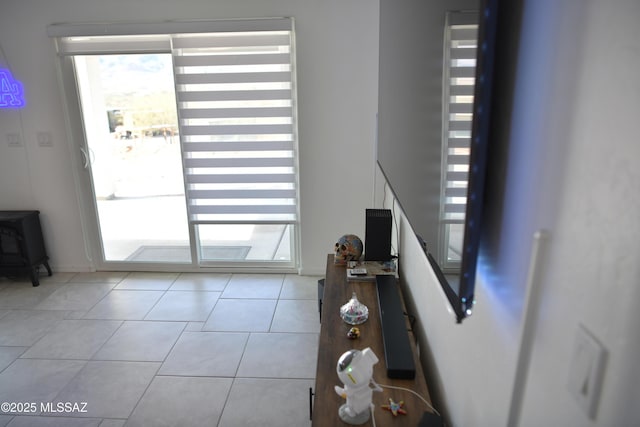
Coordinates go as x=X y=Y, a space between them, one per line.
x=334 y=342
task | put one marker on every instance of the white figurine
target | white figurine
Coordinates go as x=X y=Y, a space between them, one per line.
x=355 y=370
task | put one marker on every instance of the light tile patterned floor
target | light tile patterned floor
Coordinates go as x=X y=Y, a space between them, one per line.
x=158 y=349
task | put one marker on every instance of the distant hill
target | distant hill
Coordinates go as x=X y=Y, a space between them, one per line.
x=127 y=74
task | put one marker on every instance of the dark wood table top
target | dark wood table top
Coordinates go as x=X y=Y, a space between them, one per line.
x=334 y=342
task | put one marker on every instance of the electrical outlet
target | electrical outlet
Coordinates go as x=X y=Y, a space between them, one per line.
x=44 y=139
x=586 y=371
x=14 y=140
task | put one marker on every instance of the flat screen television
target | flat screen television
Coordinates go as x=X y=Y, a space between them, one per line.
x=409 y=146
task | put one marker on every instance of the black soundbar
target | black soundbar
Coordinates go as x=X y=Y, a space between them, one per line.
x=397 y=349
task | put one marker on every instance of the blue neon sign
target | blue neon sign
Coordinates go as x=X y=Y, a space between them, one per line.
x=11 y=94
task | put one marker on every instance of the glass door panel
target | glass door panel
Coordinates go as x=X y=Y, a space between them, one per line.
x=245 y=242
x=133 y=149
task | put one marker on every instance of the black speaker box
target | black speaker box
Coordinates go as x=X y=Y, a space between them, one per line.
x=431 y=420
x=377 y=240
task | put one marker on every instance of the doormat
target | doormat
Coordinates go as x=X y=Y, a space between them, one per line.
x=183 y=253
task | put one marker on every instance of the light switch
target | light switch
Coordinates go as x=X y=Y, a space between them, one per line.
x=14 y=140
x=44 y=139
x=586 y=371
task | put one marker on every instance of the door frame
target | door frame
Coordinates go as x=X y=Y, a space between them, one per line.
x=86 y=200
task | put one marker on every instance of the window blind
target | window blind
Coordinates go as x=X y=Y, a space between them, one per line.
x=235 y=96
x=459 y=76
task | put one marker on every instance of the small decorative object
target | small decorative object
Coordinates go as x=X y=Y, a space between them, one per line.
x=389 y=266
x=355 y=370
x=395 y=408
x=353 y=333
x=354 y=312
x=348 y=248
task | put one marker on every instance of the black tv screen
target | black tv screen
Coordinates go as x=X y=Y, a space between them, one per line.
x=409 y=147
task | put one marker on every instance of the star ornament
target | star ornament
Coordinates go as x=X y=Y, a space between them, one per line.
x=395 y=408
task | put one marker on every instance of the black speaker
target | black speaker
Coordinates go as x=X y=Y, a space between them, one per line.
x=377 y=239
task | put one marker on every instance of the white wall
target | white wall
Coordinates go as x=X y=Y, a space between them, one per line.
x=574 y=119
x=470 y=366
x=337 y=51
x=593 y=273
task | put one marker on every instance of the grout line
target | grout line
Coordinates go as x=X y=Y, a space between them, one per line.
x=164 y=292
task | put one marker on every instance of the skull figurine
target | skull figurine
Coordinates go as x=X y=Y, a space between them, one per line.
x=348 y=248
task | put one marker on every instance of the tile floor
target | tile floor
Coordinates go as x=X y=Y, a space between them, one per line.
x=158 y=349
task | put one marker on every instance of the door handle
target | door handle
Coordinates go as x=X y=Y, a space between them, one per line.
x=85 y=156
x=88 y=156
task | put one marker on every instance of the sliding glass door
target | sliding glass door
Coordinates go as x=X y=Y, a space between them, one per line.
x=133 y=155
x=188 y=146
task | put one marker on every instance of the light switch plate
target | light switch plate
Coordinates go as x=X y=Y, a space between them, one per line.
x=44 y=139
x=14 y=140
x=586 y=371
